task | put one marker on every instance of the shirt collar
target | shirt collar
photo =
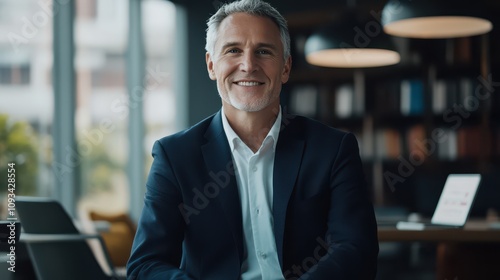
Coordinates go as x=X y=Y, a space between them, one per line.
x=232 y=136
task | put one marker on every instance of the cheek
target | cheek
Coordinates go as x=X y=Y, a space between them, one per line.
x=224 y=69
x=275 y=71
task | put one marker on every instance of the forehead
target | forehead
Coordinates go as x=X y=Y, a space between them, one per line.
x=243 y=26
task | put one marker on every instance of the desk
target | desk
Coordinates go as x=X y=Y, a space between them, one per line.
x=474 y=231
x=472 y=252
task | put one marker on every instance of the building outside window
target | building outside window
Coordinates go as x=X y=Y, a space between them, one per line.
x=26 y=95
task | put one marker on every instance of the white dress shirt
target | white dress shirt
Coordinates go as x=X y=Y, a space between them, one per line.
x=254 y=177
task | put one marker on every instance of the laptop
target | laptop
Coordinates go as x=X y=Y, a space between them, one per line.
x=454 y=204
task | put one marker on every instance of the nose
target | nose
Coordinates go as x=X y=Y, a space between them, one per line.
x=249 y=63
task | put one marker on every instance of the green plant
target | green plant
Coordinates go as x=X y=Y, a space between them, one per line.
x=98 y=168
x=18 y=145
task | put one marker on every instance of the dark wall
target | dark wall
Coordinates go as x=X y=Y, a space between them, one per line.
x=203 y=99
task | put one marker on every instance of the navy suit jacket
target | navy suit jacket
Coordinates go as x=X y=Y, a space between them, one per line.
x=191 y=225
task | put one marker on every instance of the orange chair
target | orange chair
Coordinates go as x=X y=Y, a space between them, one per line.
x=118 y=238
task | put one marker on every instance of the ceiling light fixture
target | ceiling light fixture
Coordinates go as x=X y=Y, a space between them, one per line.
x=433 y=19
x=348 y=43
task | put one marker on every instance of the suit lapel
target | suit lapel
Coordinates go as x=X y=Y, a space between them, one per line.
x=217 y=156
x=286 y=168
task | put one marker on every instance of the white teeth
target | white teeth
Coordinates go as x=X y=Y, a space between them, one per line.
x=248 y=84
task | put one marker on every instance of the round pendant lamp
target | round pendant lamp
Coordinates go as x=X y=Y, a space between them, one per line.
x=434 y=19
x=349 y=44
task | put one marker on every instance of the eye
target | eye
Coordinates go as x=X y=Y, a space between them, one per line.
x=233 y=51
x=263 y=52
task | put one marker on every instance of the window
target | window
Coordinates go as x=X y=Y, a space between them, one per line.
x=15 y=74
x=101 y=69
x=26 y=95
x=26 y=98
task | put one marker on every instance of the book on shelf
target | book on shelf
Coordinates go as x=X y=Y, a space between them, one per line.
x=303 y=100
x=466 y=91
x=416 y=140
x=447 y=147
x=387 y=143
x=349 y=101
x=463 y=50
x=464 y=142
x=439 y=103
x=412 y=97
x=367 y=141
x=344 y=101
x=388 y=99
x=453 y=92
x=470 y=142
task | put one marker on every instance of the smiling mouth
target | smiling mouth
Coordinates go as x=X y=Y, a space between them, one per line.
x=249 y=84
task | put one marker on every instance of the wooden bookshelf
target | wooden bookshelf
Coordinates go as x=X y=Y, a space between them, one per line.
x=424 y=111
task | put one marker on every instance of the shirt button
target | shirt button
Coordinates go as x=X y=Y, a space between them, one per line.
x=254 y=169
x=258 y=211
x=262 y=255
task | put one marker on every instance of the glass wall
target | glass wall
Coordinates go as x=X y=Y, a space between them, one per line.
x=101 y=30
x=26 y=97
x=102 y=106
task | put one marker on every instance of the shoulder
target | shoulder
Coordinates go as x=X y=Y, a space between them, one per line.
x=308 y=129
x=187 y=138
x=318 y=136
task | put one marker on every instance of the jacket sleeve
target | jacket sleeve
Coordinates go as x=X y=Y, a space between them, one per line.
x=352 y=229
x=157 y=248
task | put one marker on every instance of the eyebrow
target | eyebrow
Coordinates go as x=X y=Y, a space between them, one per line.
x=259 y=45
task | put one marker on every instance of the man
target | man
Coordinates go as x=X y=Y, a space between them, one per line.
x=249 y=193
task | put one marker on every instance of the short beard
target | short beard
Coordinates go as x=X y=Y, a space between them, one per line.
x=253 y=107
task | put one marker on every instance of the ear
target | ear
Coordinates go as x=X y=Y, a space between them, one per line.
x=210 y=66
x=286 y=70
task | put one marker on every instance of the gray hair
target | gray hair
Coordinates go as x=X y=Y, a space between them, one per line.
x=252 y=7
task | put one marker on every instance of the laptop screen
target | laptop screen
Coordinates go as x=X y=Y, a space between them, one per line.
x=456 y=199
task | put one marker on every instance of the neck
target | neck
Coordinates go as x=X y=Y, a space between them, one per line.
x=251 y=127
